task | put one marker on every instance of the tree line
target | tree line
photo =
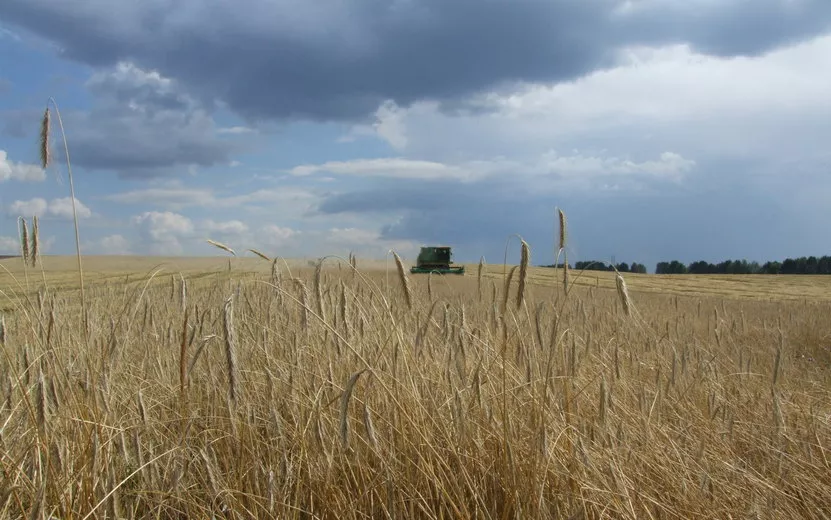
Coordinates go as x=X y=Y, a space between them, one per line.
x=801 y=265
x=594 y=265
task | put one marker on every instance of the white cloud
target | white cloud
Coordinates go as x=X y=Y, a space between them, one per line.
x=109 y=245
x=288 y=200
x=9 y=246
x=26 y=208
x=236 y=130
x=19 y=171
x=164 y=231
x=669 y=164
x=60 y=208
x=558 y=168
x=670 y=98
x=231 y=227
x=366 y=242
x=171 y=198
x=275 y=236
x=390 y=167
x=115 y=245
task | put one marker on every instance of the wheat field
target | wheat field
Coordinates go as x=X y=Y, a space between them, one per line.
x=203 y=388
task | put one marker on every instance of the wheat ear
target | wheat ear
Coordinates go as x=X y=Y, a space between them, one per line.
x=35 y=241
x=479 y=274
x=405 y=282
x=221 y=246
x=623 y=294
x=24 y=240
x=261 y=255
x=523 y=273
x=344 y=407
x=562 y=246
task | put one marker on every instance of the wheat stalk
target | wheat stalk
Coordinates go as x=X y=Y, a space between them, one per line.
x=41 y=401
x=319 y=290
x=507 y=288
x=183 y=350
x=230 y=348
x=45 y=158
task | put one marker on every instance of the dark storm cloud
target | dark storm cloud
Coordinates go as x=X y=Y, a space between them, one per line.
x=295 y=58
x=140 y=125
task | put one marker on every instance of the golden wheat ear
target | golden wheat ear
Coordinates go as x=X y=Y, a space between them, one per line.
x=623 y=294
x=35 y=241
x=45 y=125
x=523 y=273
x=24 y=240
x=405 y=282
x=261 y=255
x=221 y=246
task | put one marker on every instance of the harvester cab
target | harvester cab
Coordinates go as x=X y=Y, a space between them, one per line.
x=436 y=259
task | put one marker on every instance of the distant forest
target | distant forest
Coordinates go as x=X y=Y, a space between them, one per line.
x=594 y=265
x=801 y=265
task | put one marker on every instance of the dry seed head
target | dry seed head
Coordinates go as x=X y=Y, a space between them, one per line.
x=562 y=217
x=24 y=240
x=523 y=273
x=35 y=241
x=369 y=427
x=479 y=274
x=221 y=246
x=405 y=282
x=261 y=255
x=45 y=124
x=344 y=407
x=275 y=272
x=623 y=294
x=507 y=289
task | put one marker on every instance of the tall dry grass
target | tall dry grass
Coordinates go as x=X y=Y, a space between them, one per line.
x=365 y=400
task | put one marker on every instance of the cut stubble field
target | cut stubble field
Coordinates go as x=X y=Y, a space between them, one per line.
x=275 y=389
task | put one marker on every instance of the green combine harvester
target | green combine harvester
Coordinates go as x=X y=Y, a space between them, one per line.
x=436 y=259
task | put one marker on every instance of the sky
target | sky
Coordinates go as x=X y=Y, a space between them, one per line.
x=688 y=130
